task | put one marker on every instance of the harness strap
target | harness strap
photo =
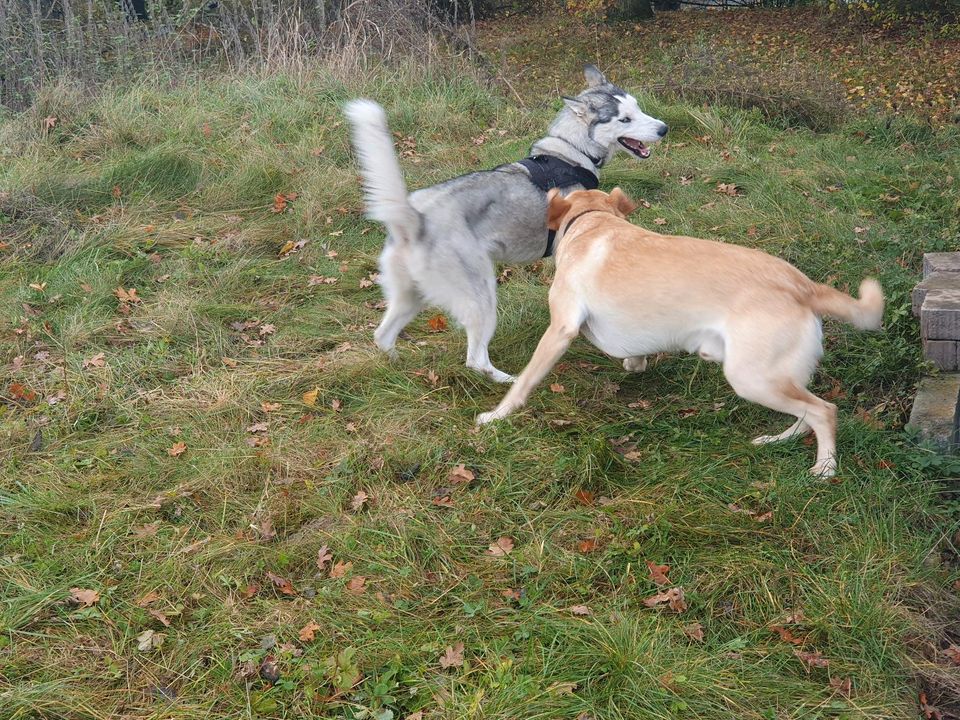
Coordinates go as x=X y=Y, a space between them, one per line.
x=549 y=171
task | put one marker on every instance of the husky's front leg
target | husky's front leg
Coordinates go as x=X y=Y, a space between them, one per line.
x=551 y=347
x=636 y=364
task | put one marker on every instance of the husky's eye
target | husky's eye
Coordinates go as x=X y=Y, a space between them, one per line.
x=624 y=119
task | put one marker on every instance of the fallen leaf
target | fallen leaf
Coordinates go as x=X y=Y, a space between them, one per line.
x=148 y=640
x=39 y=287
x=148 y=530
x=150 y=597
x=229 y=362
x=587 y=546
x=280 y=205
x=310 y=397
x=127 y=296
x=281 y=583
x=309 y=631
x=20 y=393
x=460 y=475
x=265 y=529
x=453 y=657
x=557 y=388
x=727 y=189
x=501 y=547
x=812 y=659
x=843 y=686
x=340 y=569
x=260 y=427
x=584 y=497
x=86 y=598
x=930 y=712
x=159 y=617
x=658 y=573
x=357 y=585
x=694 y=631
x=337 y=405
x=436 y=324
x=786 y=635
x=177 y=449
x=659 y=221
x=953 y=654
x=323 y=557
x=358 y=500
x=270 y=406
x=673 y=597
x=582 y=610
x=95 y=361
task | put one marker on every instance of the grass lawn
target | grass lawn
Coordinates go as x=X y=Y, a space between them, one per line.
x=220 y=501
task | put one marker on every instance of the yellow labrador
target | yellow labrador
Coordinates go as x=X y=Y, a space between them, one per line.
x=633 y=292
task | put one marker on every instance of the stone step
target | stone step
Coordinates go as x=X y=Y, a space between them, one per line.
x=931 y=283
x=946 y=262
x=934 y=414
x=945 y=354
x=940 y=315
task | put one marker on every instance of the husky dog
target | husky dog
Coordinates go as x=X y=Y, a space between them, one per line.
x=443 y=241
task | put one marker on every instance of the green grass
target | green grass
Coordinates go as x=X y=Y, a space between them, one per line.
x=90 y=497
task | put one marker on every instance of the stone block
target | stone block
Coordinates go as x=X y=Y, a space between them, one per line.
x=946 y=262
x=940 y=315
x=934 y=413
x=930 y=283
x=942 y=353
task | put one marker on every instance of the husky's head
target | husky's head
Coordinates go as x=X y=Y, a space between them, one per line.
x=613 y=118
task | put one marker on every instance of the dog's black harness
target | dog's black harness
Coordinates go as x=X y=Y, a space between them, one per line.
x=549 y=171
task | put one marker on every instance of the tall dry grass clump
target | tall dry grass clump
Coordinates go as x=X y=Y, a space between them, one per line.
x=93 y=42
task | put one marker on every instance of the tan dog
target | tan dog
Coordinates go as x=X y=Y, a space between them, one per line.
x=633 y=292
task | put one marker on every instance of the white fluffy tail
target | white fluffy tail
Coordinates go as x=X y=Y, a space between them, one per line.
x=385 y=191
x=865 y=313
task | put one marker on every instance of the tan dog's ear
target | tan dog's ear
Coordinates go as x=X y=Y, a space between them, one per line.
x=557 y=207
x=622 y=202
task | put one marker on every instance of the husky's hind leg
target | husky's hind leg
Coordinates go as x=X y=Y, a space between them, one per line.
x=403 y=299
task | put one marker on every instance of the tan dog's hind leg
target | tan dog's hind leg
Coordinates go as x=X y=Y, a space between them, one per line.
x=550 y=349
x=800 y=427
x=784 y=395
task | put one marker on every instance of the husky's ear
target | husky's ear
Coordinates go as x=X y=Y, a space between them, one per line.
x=593 y=76
x=579 y=108
x=621 y=202
x=557 y=207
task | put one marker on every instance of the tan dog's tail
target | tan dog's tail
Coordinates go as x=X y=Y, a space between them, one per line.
x=864 y=313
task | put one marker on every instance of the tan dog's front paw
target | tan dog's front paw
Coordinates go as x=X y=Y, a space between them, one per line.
x=635 y=364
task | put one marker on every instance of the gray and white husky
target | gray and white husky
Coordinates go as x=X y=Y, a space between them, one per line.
x=443 y=241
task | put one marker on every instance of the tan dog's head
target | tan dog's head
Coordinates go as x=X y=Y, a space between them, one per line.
x=559 y=207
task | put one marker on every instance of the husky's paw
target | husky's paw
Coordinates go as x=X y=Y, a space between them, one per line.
x=765 y=439
x=487 y=417
x=635 y=364
x=824 y=468
x=496 y=375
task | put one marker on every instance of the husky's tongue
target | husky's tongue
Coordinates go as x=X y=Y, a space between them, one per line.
x=635 y=146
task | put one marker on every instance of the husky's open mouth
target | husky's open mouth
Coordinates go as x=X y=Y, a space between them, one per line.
x=635 y=146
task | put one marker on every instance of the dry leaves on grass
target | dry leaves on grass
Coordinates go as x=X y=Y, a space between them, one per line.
x=658 y=573
x=309 y=631
x=97 y=361
x=177 y=449
x=357 y=585
x=694 y=631
x=323 y=557
x=436 y=324
x=310 y=397
x=503 y=546
x=460 y=475
x=149 y=639
x=84 y=598
x=673 y=598
x=581 y=610
x=557 y=388
x=281 y=583
x=359 y=500
x=453 y=657
x=812 y=659
x=341 y=569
